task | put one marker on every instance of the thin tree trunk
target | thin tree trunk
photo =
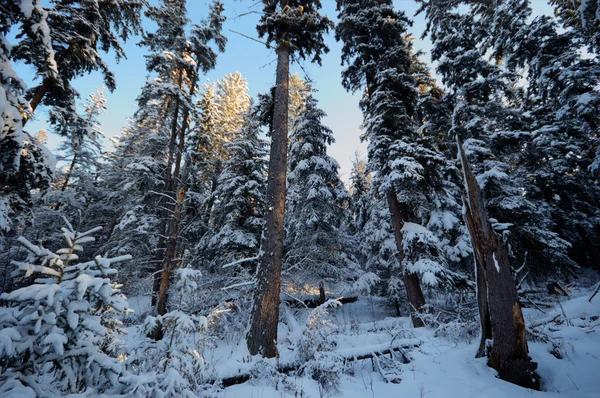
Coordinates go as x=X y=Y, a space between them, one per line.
x=262 y=337
x=411 y=281
x=67 y=178
x=37 y=97
x=162 y=227
x=173 y=227
x=509 y=351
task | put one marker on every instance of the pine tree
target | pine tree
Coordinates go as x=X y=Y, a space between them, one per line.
x=78 y=32
x=318 y=248
x=379 y=58
x=63 y=324
x=82 y=143
x=234 y=102
x=178 y=61
x=25 y=164
x=237 y=215
x=293 y=27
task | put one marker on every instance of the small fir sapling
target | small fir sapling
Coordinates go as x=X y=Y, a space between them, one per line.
x=63 y=325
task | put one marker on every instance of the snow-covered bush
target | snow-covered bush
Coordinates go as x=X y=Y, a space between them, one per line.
x=316 y=345
x=465 y=331
x=172 y=366
x=62 y=326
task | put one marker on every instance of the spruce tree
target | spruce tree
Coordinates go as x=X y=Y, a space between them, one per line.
x=318 y=247
x=63 y=324
x=78 y=32
x=237 y=215
x=25 y=164
x=379 y=59
x=82 y=145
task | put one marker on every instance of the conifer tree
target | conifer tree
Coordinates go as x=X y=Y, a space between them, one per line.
x=360 y=188
x=318 y=248
x=234 y=102
x=82 y=143
x=562 y=100
x=293 y=27
x=63 y=325
x=25 y=164
x=178 y=59
x=78 y=31
x=583 y=17
x=237 y=216
x=380 y=60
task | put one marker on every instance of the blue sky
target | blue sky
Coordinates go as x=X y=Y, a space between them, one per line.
x=256 y=63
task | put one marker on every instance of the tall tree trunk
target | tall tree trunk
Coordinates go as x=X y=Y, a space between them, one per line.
x=173 y=225
x=496 y=286
x=162 y=227
x=262 y=337
x=410 y=279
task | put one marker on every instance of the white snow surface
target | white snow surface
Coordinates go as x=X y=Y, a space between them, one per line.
x=438 y=367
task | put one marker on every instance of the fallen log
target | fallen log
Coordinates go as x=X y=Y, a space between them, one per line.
x=348 y=355
x=314 y=303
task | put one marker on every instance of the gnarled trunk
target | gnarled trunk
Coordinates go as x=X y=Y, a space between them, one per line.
x=262 y=337
x=497 y=292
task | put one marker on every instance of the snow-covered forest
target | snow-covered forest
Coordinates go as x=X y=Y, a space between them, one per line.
x=213 y=248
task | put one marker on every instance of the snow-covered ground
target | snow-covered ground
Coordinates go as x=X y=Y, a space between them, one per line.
x=438 y=367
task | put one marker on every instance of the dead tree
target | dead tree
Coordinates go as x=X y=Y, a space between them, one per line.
x=502 y=323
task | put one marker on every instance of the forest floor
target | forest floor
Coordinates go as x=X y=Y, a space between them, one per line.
x=438 y=364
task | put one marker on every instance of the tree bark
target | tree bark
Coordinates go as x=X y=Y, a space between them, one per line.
x=38 y=96
x=410 y=279
x=262 y=337
x=179 y=190
x=497 y=292
x=162 y=227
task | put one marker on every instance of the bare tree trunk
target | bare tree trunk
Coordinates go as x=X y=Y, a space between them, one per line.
x=411 y=280
x=509 y=351
x=162 y=227
x=173 y=227
x=67 y=178
x=179 y=190
x=262 y=337
x=37 y=97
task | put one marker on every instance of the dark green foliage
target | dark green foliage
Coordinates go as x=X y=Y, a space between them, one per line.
x=297 y=23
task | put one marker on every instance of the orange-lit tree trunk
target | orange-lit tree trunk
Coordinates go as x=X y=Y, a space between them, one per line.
x=262 y=337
